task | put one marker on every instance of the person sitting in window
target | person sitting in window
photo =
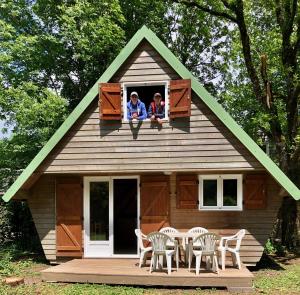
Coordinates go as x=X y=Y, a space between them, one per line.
x=135 y=108
x=156 y=111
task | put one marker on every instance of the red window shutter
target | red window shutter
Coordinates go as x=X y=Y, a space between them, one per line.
x=187 y=192
x=69 y=203
x=110 y=101
x=255 y=192
x=180 y=98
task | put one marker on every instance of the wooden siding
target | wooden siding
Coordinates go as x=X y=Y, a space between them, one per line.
x=42 y=206
x=258 y=223
x=145 y=64
x=201 y=142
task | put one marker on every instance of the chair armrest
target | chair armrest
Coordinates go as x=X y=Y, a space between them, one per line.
x=229 y=237
x=228 y=240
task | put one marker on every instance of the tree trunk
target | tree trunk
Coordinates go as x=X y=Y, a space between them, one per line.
x=287 y=227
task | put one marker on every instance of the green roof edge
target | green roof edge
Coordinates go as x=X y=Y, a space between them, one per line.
x=207 y=98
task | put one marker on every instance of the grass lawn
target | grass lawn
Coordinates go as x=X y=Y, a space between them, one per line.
x=272 y=276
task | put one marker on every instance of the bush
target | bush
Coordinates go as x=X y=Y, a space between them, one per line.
x=17 y=226
x=274 y=248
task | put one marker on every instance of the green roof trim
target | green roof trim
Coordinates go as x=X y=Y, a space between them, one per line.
x=208 y=99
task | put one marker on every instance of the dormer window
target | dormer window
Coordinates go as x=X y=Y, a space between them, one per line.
x=146 y=92
x=175 y=95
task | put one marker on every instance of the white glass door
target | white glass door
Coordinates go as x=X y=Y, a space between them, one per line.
x=98 y=217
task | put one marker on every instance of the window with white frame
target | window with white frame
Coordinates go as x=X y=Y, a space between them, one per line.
x=220 y=192
x=146 y=91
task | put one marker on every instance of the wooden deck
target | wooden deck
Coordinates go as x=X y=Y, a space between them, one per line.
x=127 y=272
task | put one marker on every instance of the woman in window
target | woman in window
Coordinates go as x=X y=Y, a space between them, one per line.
x=156 y=111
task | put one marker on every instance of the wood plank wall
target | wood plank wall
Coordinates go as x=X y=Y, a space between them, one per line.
x=200 y=142
x=258 y=223
x=42 y=206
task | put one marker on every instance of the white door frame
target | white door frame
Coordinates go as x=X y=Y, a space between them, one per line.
x=105 y=248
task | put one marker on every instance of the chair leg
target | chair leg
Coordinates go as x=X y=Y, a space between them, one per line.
x=151 y=262
x=142 y=255
x=169 y=263
x=190 y=258
x=198 y=264
x=215 y=262
x=223 y=254
x=155 y=259
x=177 y=259
x=234 y=263
x=145 y=258
x=238 y=260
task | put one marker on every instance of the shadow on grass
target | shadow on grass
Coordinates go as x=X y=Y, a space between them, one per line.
x=289 y=258
x=16 y=254
x=266 y=262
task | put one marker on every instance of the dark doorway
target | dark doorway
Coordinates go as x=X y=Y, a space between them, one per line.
x=125 y=216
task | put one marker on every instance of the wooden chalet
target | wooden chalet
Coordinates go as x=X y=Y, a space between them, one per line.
x=101 y=176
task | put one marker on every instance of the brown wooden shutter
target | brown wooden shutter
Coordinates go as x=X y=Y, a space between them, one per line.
x=187 y=191
x=155 y=197
x=255 y=192
x=69 y=207
x=110 y=101
x=180 y=98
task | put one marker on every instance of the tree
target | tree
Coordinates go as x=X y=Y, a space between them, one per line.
x=51 y=52
x=62 y=45
x=264 y=84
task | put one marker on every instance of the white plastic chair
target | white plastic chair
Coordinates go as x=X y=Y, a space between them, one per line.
x=234 y=251
x=168 y=230
x=159 y=248
x=206 y=246
x=143 y=250
x=185 y=243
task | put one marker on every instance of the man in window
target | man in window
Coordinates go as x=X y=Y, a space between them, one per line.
x=156 y=111
x=135 y=108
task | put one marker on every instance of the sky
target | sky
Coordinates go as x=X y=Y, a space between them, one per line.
x=1 y=134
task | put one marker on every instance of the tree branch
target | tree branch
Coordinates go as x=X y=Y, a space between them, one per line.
x=239 y=11
x=207 y=9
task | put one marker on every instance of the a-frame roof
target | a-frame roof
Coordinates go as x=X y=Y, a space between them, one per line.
x=145 y=33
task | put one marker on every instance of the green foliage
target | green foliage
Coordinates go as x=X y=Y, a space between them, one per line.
x=275 y=248
x=238 y=96
x=17 y=229
x=200 y=42
x=10 y=267
x=269 y=247
x=32 y=114
x=64 y=45
x=5 y=223
x=153 y=14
